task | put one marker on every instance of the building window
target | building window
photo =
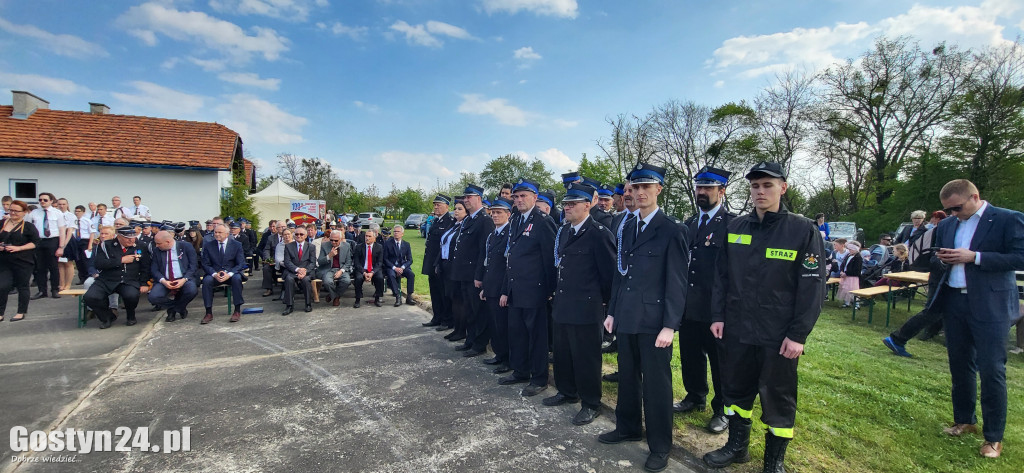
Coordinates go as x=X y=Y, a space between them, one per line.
x=24 y=189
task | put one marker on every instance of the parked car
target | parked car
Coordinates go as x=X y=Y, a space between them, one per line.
x=847 y=230
x=415 y=220
x=366 y=218
x=899 y=229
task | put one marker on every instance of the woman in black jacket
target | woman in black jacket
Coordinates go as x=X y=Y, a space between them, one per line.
x=849 y=273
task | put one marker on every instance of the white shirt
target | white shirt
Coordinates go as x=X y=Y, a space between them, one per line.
x=497 y=231
x=175 y=264
x=104 y=221
x=446 y=240
x=69 y=219
x=141 y=210
x=709 y=213
x=84 y=226
x=646 y=220
x=962 y=239
x=51 y=217
x=576 y=228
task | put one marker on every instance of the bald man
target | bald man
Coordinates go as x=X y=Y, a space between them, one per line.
x=174 y=275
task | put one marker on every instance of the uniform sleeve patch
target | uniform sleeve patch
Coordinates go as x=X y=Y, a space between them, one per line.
x=810 y=262
x=739 y=238
x=779 y=253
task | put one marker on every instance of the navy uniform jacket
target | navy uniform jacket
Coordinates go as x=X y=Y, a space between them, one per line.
x=705 y=245
x=432 y=249
x=397 y=257
x=991 y=285
x=233 y=261
x=292 y=262
x=530 y=273
x=243 y=239
x=493 y=269
x=359 y=259
x=652 y=294
x=770 y=280
x=107 y=260
x=186 y=261
x=584 y=274
x=469 y=246
x=602 y=217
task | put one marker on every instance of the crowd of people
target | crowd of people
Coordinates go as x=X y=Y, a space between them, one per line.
x=544 y=287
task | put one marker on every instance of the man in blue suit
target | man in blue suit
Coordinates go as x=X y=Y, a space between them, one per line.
x=174 y=273
x=223 y=262
x=398 y=265
x=982 y=247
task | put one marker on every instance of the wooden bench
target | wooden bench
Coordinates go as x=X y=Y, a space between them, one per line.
x=314 y=284
x=832 y=285
x=869 y=294
x=80 y=293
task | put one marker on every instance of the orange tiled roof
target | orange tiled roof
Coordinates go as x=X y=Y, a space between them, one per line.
x=82 y=136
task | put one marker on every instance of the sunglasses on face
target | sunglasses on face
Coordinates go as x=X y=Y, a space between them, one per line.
x=44 y=200
x=336 y=241
x=955 y=208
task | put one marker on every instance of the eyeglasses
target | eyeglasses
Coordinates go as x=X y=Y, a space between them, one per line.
x=15 y=211
x=335 y=241
x=955 y=208
x=44 y=200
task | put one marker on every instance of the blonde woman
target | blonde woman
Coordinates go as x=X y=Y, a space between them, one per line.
x=899 y=264
x=849 y=273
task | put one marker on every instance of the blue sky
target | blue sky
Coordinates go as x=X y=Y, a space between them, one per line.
x=410 y=92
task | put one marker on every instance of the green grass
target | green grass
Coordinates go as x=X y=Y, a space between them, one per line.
x=417 y=244
x=860 y=408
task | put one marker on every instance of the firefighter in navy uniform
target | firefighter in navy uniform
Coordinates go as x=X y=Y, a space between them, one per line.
x=697 y=347
x=442 y=316
x=768 y=290
x=124 y=267
x=585 y=258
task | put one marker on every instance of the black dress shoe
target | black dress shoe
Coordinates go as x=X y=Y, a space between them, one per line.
x=533 y=390
x=131 y=322
x=457 y=338
x=430 y=324
x=398 y=302
x=376 y=302
x=719 y=423
x=585 y=416
x=38 y=295
x=449 y=336
x=409 y=301
x=442 y=328
x=614 y=437
x=501 y=369
x=687 y=405
x=267 y=292
x=170 y=315
x=287 y=310
x=463 y=347
x=183 y=314
x=105 y=324
x=55 y=295
x=492 y=361
x=510 y=380
x=356 y=305
x=611 y=377
x=656 y=462
x=558 y=399
x=309 y=308
x=472 y=353
x=154 y=309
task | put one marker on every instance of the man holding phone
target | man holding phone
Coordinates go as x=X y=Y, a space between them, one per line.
x=982 y=247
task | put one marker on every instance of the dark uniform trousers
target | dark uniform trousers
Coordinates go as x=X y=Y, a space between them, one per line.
x=754 y=370
x=438 y=302
x=578 y=360
x=235 y=281
x=478 y=320
x=637 y=354
x=453 y=289
x=46 y=264
x=528 y=343
x=160 y=296
x=96 y=299
x=499 y=323
x=697 y=347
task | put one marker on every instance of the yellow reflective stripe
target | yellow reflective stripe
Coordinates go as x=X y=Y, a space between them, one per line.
x=780 y=432
x=734 y=409
x=779 y=253
x=739 y=238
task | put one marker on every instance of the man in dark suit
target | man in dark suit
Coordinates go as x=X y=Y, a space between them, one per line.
x=529 y=283
x=618 y=222
x=696 y=344
x=223 y=262
x=647 y=304
x=493 y=278
x=398 y=265
x=123 y=269
x=263 y=240
x=334 y=266
x=174 y=274
x=585 y=262
x=269 y=244
x=443 y=221
x=238 y=234
x=977 y=295
x=368 y=263
x=299 y=267
x=470 y=246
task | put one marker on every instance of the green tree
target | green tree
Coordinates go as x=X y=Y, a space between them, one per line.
x=601 y=169
x=235 y=200
x=510 y=168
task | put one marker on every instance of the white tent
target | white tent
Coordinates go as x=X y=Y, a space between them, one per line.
x=274 y=202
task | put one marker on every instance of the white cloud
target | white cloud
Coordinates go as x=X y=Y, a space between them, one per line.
x=146 y=20
x=406 y=169
x=208 y=65
x=562 y=123
x=557 y=160
x=156 y=100
x=427 y=34
x=39 y=84
x=339 y=29
x=719 y=84
x=61 y=44
x=561 y=8
x=369 y=107
x=259 y=121
x=816 y=48
x=526 y=53
x=475 y=104
x=285 y=9
x=170 y=63
x=250 y=79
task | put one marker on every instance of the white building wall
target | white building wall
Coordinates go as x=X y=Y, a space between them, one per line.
x=171 y=194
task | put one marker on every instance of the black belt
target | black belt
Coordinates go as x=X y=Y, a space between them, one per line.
x=958 y=290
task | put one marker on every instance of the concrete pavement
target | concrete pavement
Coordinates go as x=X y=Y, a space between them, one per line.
x=338 y=389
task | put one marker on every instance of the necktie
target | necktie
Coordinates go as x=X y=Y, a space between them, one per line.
x=369 y=258
x=222 y=252
x=300 y=251
x=170 y=267
x=703 y=221
x=640 y=225
x=46 y=223
x=136 y=210
x=572 y=232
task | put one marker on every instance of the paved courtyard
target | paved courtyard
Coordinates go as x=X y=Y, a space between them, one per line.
x=338 y=389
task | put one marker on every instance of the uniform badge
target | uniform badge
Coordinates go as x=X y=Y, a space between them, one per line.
x=528 y=228
x=707 y=241
x=810 y=262
x=639 y=166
